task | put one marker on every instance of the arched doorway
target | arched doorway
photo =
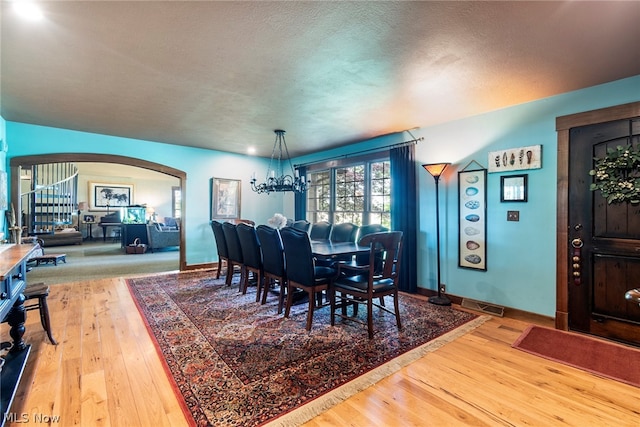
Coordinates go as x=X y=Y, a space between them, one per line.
x=17 y=163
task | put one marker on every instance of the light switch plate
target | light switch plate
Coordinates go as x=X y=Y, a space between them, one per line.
x=513 y=215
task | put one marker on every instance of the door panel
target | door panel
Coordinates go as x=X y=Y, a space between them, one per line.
x=608 y=239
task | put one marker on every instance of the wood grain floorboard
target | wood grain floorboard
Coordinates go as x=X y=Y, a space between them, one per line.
x=105 y=371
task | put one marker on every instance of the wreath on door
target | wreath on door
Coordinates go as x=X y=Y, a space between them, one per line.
x=617 y=175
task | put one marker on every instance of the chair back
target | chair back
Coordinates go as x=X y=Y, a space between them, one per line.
x=387 y=245
x=371 y=228
x=272 y=250
x=320 y=230
x=363 y=259
x=233 y=243
x=298 y=256
x=250 y=245
x=221 y=242
x=345 y=232
x=302 y=225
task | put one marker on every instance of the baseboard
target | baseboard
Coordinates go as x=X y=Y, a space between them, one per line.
x=512 y=313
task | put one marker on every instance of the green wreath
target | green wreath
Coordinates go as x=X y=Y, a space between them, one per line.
x=617 y=175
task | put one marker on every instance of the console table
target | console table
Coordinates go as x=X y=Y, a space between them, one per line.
x=13 y=279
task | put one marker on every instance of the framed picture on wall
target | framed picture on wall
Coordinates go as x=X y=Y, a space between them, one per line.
x=106 y=196
x=472 y=219
x=513 y=188
x=225 y=198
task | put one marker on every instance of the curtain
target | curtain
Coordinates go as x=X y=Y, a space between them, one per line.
x=301 y=198
x=404 y=212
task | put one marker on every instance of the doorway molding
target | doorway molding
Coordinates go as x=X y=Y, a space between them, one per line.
x=17 y=163
x=563 y=125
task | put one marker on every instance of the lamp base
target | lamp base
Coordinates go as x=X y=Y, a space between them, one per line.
x=440 y=300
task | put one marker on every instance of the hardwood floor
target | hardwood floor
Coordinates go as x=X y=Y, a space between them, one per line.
x=106 y=372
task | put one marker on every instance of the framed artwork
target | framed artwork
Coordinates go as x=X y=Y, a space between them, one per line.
x=225 y=198
x=514 y=159
x=513 y=188
x=89 y=218
x=104 y=196
x=472 y=219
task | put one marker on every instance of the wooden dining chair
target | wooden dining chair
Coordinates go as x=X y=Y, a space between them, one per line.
x=302 y=273
x=251 y=256
x=273 y=262
x=370 y=284
x=234 y=251
x=221 y=246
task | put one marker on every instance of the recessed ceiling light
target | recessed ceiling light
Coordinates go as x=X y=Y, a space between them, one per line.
x=28 y=10
x=251 y=150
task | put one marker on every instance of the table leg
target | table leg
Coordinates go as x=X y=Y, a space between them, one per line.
x=16 y=318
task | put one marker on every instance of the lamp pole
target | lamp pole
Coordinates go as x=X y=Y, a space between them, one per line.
x=436 y=171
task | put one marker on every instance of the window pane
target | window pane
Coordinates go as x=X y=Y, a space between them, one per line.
x=362 y=194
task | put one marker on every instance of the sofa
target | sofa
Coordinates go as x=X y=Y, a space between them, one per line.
x=66 y=236
x=160 y=236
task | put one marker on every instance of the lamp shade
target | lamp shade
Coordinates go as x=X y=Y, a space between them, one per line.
x=83 y=206
x=436 y=169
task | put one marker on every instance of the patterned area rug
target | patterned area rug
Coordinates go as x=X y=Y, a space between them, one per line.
x=237 y=363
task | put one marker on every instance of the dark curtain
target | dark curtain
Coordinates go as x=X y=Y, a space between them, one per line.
x=404 y=212
x=301 y=198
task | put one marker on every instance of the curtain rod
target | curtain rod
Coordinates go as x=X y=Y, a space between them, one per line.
x=371 y=150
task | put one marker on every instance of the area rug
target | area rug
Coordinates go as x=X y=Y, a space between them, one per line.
x=600 y=357
x=236 y=362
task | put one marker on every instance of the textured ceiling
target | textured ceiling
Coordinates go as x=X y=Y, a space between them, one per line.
x=223 y=75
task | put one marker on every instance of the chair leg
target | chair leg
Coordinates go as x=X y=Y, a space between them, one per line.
x=289 y=301
x=267 y=285
x=44 y=318
x=219 y=268
x=370 y=317
x=310 y=312
x=259 y=285
x=281 y=297
x=332 y=301
x=395 y=304
x=230 y=268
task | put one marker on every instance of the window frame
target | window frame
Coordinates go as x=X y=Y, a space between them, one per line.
x=332 y=166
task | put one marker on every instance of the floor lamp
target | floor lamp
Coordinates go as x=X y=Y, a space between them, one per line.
x=436 y=169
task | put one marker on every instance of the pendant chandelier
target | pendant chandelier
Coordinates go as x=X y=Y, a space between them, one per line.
x=276 y=180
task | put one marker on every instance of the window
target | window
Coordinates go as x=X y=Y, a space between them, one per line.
x=176 y=202
x=359 y=192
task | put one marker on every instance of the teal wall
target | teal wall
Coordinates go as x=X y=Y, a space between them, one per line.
x=521 y=256
x=200 y=166
x=521 y=260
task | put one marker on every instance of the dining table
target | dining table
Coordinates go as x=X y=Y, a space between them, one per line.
x=327 y=249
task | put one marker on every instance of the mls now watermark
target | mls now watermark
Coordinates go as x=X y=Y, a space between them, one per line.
x=15 y=417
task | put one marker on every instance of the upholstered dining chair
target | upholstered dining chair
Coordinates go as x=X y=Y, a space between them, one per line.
x=252 y=257
x=273 y=262
x=320 y=230
x=345 y=232
x=234 y=251
x=363 y=259
x=369 y=285
x=221 y=246
x=302 y=225
x=302 y=273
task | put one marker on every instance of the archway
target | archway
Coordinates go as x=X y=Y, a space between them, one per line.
x=17 y=163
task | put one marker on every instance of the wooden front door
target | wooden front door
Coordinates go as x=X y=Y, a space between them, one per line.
x=603 y=260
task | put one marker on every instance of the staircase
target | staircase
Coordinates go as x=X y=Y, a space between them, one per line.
x=51 y=199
